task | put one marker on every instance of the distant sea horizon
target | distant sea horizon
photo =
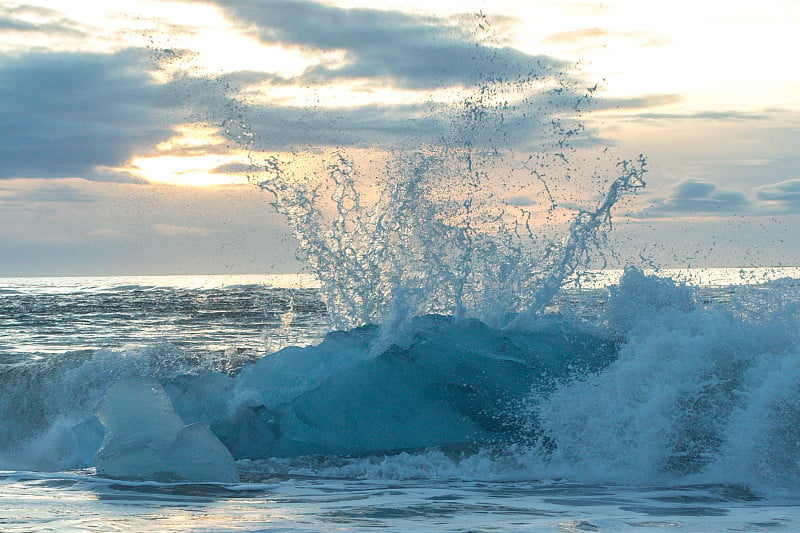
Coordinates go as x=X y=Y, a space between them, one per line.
x=593 y=278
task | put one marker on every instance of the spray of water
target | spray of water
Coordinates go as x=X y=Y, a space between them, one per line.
x=434 y=231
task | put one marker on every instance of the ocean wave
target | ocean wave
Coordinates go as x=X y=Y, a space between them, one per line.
x=659 y=388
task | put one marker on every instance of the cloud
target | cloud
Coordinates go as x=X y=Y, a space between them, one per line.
x=577 y=35
x=639 y=102
x=86 y=115
x=294 y=126
x=407 y=126
x=44 y=193
x=701 y=198
x=107 y=234
x=390 y=49
x=8 y=23
x=65 y=114
x=233 y=168
x=786 y=194
x=401 y=49
x=599 y=35
x=783 y=191
x=520 y=200
x=170 y=230
x=704 y=115
x=34 y=19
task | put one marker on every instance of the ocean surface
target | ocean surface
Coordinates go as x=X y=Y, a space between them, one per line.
x=636 y=401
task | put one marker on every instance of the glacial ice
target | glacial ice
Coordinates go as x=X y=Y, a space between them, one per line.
x=146 y=439
x=447 y=383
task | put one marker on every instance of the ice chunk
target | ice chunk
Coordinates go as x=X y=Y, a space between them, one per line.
x=146 y=439
x=445 y=383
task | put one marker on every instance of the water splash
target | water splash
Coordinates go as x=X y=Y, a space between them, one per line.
x=435 y=230
x=585 y=233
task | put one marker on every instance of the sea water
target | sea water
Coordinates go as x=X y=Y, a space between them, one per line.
x=637 y=402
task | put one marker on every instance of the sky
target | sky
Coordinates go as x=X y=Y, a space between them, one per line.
x=126 y=127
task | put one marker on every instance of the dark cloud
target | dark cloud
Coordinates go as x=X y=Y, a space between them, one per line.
x=66 y=114
x=401 y=49
x=408 y=126
x=702 y=198
x=282 y=127
x=232 y=168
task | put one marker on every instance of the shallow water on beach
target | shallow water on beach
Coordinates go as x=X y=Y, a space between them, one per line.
x=80 y=502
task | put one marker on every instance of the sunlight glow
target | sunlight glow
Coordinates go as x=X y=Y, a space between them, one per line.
x=204 y=41
x=190 y=171
x=218 y=46
x=713 y=55
x=355 y=93
x=192 y=136
x=194 y=157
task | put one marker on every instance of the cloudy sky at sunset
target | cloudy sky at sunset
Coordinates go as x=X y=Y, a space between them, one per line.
x=126 y=126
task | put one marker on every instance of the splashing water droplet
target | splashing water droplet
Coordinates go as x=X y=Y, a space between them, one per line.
x=433 y=231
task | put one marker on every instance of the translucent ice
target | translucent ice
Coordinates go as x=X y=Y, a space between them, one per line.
x=444 y=383
x=146 y=439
